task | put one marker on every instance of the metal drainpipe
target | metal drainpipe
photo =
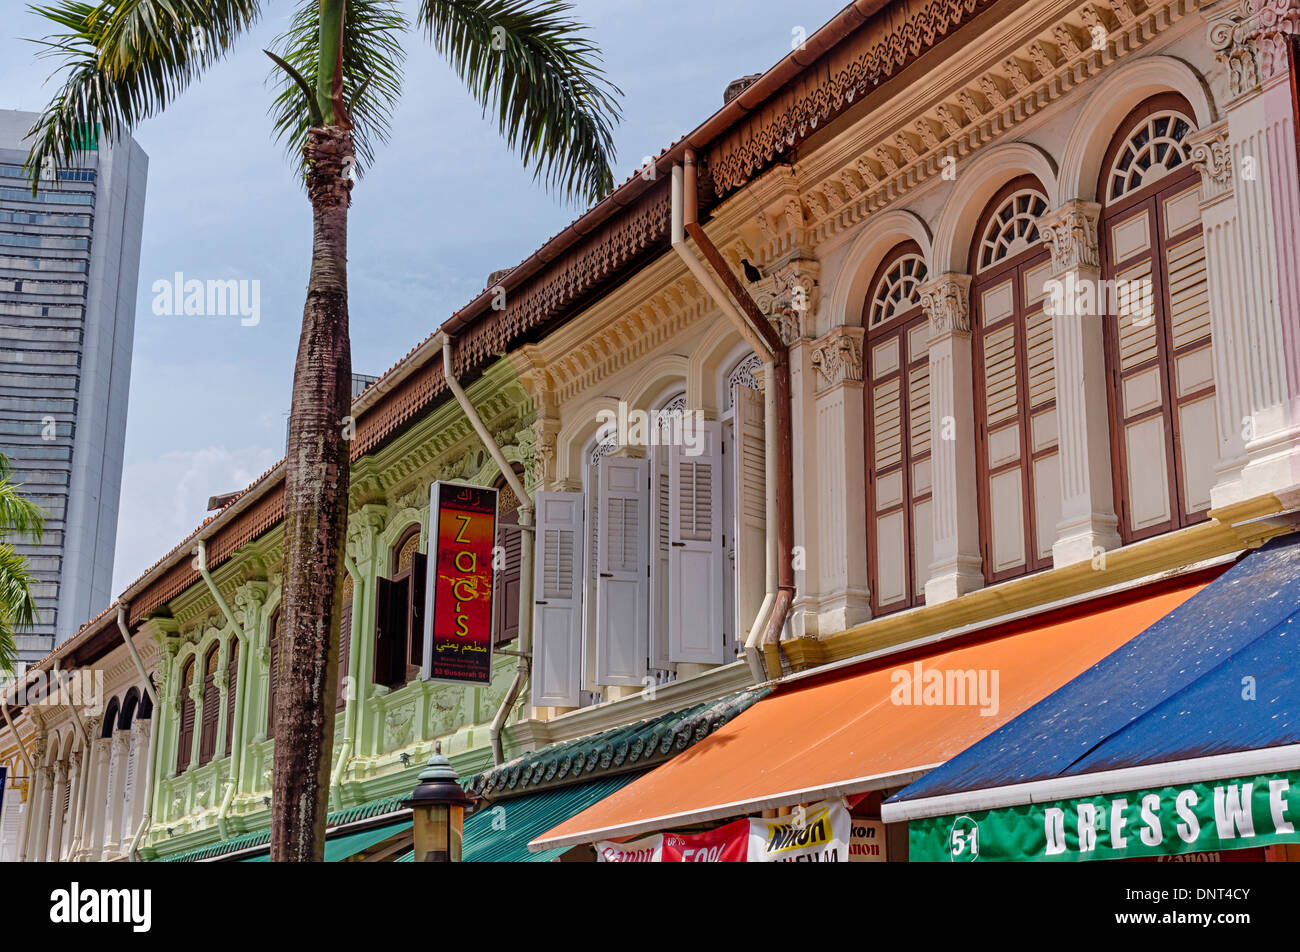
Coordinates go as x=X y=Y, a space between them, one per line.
x=124 y=627
x=758 y=331
x=236 y=750
x=525 y=550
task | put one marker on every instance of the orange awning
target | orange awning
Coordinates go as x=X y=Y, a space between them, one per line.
x=839 y=734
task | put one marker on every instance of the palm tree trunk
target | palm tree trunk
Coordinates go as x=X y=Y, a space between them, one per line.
x=315 y=516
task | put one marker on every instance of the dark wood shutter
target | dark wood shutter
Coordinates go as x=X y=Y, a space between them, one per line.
x=345 y=651
x=1159 y=355
x=232 y=692
x=506 y=597
x=185 y=741
x=415 y=614
x=390 y=632
x=211 y=708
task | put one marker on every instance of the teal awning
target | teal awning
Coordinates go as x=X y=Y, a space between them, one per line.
x=339 y=848
x=499 y=833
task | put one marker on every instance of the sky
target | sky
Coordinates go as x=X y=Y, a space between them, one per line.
x=445 y=205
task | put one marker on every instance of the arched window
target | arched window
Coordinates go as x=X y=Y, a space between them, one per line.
x=232 y=692
x=211 y=705
x=1161 y=393
x=399 y=628
x=274 y=646
x=185 y=738
x=111 y=714
x=897 y=395
x=505 y=599
x=1015 y=384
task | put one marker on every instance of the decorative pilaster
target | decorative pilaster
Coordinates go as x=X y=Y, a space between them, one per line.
x=957 y=567
x=1253 y=40
x=839 y=506
x=1211 y=153
x=1088 y=522
x=140 y=733
x=121 y=742
x=44 y=798
x=101 y=752
x=38 y=803
x=54 y=848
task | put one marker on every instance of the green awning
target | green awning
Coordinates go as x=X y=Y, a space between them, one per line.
x=339 y=848
x=499 y=833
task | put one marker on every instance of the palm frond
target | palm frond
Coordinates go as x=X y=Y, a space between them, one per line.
x=373 y=57
x=18 y=514
x=120 y=61
x=534 y=66
x=17 y=604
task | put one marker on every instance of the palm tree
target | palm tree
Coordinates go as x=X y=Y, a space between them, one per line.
x=526 y=60
x=18 y=516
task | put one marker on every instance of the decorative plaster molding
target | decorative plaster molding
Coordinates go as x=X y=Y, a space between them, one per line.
x=1212 y=156
x=838 y=356
x=1042 y=71
x=946 y=302
x=1253 y=41
x=1071 y=233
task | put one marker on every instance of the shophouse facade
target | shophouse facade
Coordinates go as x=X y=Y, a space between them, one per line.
x=1030 y=265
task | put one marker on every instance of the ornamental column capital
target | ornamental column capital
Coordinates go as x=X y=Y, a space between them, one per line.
x=1211 y=153
x=1070 y=232
x=837 y=356
x=1252 y=40
x=946 y=302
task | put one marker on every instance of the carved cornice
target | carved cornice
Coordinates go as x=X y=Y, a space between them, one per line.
x=946 y=302
x=1071 y=233
x=838 y=357
x=662 y=316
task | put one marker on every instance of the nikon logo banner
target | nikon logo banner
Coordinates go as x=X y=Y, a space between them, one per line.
x=1189 y=818
x=816 y=834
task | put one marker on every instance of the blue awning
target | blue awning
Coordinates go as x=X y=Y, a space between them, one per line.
x=1219 y=675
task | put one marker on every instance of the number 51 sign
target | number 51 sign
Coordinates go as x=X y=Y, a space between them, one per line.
x=458 y=592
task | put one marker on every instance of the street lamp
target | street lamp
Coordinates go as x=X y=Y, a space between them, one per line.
x=438 y=811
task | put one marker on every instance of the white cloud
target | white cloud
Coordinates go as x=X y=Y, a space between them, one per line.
x=165 y=497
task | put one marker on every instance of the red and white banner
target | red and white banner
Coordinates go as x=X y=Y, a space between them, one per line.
x=816 y=834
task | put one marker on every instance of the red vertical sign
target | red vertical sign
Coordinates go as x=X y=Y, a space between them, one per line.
x=458 y=593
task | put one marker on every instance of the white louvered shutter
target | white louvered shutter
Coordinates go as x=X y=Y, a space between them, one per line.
x=696 y=559
x=750 y=539
x=557 y=595
x=623 y=571
x=660 y=521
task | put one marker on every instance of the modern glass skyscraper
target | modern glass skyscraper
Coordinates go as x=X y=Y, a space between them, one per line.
x=69 y=263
